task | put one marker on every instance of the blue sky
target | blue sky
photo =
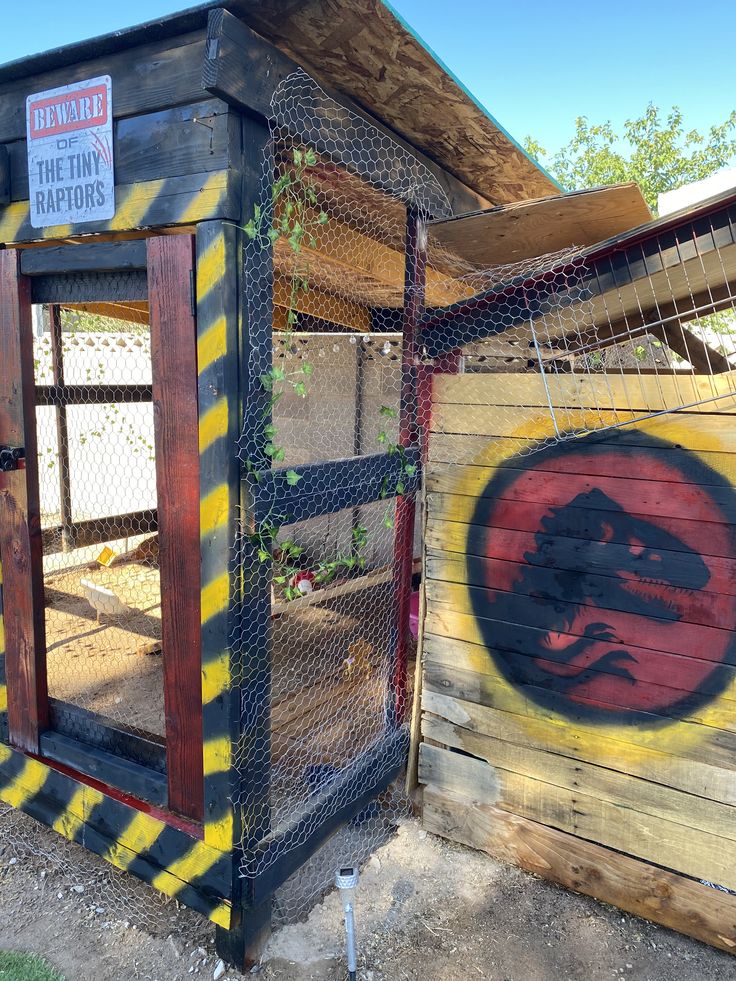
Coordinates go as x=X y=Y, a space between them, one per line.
x=534 y=64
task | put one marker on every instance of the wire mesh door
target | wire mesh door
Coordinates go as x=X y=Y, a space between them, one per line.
x=110 y=629
x=98 y=495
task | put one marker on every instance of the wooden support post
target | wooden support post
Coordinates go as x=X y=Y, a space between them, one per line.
x=416 y=265
x=62 y=435
x=174 y=360
x=250 y=683
x=20 y=518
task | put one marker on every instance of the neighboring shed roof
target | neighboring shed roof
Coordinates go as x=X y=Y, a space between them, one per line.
x=362 y=48
x=510 y=233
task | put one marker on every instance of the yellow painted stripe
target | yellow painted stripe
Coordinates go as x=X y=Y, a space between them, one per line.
x=219 y=834
x=205 y=200
x=139 y=836
x=71 y=820
x=215 y=597
x=216 y=754
x=214 y=510
x=210 y=266
x=25 y=785
x=3 y=698
x=213 y=424
x=212 y=343
x=215 y=677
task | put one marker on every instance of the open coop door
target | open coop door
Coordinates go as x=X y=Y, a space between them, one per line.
x=99 y=522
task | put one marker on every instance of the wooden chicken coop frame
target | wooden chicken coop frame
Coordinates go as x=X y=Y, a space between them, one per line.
x=191 y=99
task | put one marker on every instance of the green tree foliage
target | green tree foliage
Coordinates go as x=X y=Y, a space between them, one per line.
x=654 y=150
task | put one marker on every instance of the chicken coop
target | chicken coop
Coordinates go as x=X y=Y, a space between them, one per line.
x=210 y=438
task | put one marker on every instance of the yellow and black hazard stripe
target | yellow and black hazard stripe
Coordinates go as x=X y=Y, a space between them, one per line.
x=169 y=859
x=148 y=204
x=217 y=362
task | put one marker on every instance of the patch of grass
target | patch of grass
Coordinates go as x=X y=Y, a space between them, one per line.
x=26 y=967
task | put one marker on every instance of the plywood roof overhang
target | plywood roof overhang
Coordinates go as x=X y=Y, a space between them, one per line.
x=656 y=276
x=361 y=48
x=510 y=233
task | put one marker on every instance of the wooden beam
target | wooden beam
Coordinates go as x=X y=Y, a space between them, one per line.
x=4 y=175
x=345 y=251
x=62 y=431
x=109 y=768
x=148 y=204
x=324 y=488
x=317 y=303
x=145 y=78
x=635 y=886
x=131 y=312
x=119 y=256
x=174 y=362
x=21 y=552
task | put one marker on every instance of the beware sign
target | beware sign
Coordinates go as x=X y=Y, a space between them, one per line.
x=70 y=161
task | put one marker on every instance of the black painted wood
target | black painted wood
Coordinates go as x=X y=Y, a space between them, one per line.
x=92 y=394
x=4 y=175
x=132 y=778
x=104 y=257
x=96 y=731
x=323 y=488
x=154 y=75
x=96 y=531
x=189 y=139
x=90 y=287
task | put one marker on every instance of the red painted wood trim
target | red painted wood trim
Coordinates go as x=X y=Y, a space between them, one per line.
x=21 y=550
x=174 y=360
x=173 y=820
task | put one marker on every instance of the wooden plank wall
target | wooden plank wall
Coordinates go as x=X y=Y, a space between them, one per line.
x=579 y=690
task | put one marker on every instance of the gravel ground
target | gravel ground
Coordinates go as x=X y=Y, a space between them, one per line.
x=426 y=909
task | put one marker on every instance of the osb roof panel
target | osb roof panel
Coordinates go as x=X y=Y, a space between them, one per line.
x=361 y=48
x=519 y=231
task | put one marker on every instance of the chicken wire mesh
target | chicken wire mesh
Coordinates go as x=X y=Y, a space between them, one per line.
x=97 y=487
x=335 y=689
x=606 y=342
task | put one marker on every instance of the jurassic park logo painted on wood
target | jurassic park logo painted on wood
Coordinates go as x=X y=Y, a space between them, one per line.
x=70 y=153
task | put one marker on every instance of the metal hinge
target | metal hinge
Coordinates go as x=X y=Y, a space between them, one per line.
x=12 y=458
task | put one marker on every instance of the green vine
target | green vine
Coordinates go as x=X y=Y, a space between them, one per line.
x=294 y=215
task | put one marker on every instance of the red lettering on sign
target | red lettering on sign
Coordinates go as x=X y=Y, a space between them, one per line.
x=68 y=112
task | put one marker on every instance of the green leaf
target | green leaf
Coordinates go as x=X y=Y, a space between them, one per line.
x=388 y=521
x=382 y=437
x=300 y=388
x=263 y=555
x=387 y=411
x=307 y=368
x=400 y=488
x=410 y=469
x=323 y=218
x=310 y=158
x=292 y=478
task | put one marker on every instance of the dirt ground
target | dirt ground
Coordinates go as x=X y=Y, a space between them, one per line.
x=426 y=909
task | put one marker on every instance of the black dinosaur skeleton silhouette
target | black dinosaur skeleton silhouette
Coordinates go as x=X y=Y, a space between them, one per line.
x=639 y=577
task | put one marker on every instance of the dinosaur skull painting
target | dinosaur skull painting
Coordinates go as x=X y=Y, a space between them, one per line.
x=602 y=577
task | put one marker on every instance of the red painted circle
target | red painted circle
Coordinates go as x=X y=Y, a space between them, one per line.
x=603 y=576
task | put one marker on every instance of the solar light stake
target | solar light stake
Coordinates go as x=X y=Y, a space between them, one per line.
x=346 y=880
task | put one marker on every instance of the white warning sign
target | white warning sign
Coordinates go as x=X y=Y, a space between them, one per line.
x=70 y=161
